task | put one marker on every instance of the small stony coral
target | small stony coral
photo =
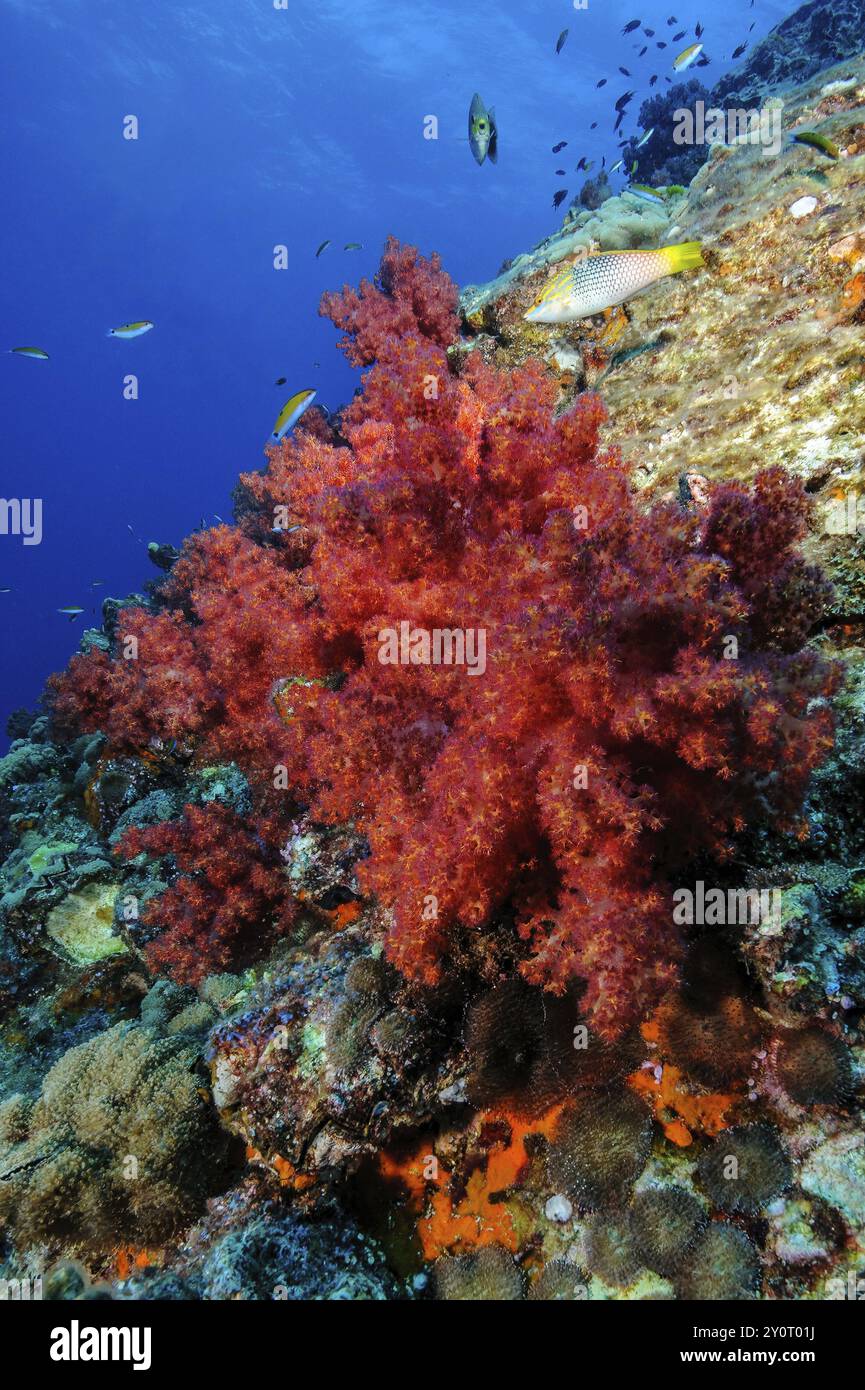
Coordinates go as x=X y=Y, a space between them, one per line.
x=713 y=1045
x=814 y=1068
x=559 y=1282
x=745 y=1168
x=666 y=1222
x=488 y=1275
x=599 y=1149
x=722 y=1265
x=528 y=1050
x=611 y=1250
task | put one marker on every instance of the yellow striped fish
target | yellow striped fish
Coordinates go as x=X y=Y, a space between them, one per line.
x=291 y=413
x=687 y=57
x=131 y=330
x=606 y=279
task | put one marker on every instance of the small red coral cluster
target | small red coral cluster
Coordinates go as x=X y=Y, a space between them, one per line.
x=637 y=690
x=228 y=885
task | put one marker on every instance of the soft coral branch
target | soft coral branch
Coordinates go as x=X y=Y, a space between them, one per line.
x=229 y=892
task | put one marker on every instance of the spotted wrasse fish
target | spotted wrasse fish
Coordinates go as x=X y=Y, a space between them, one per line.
x=598 y=282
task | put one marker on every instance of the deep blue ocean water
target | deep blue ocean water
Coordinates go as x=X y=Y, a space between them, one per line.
x=258 y=126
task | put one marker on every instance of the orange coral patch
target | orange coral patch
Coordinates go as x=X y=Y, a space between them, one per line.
x=853 y=296
x=344 y=914
x=680 y=1112
x=289 y=1176
x=129 y=1258
x=475 y=1222
x=477 y=1219
x=409 y=1172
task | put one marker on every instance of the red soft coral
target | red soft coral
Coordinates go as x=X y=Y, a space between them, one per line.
x=409 y=297
x=614 y=733
x=229 y=892
x=156 y=689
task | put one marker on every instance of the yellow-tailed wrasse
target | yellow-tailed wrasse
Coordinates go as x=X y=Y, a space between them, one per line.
x=291 y=413
x=131 y=330
x=601 y=281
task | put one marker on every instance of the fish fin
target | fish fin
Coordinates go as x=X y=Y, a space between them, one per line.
x=686 y=256
x=493 y=150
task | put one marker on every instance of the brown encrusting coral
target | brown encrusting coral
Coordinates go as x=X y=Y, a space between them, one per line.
x=814 y=1068
x=599 y=1149
x=745 y=1169
x=490 y=1275
x=714 y=1045
x=666 y=1222
x=723 y=1265
x=121 y=1145
x=611 y=1251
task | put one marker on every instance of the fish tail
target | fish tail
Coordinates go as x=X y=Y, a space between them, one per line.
x=686 y=256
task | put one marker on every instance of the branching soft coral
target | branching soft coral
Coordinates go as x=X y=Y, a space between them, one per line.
x=155 y=689
x=409 y=296
x=614 y=731
x=229 y=892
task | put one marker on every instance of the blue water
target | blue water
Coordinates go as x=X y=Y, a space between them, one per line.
x=258 y=127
